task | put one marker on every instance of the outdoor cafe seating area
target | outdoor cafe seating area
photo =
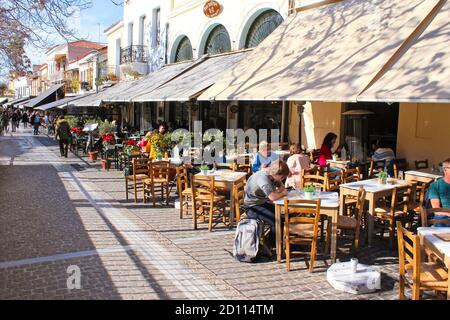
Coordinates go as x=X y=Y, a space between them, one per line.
x=348 y=201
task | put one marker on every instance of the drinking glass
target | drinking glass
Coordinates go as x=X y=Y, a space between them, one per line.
x=318 y=190
x=354 y=264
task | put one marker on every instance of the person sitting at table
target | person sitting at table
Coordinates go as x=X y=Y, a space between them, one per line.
x=262 y=189
x=325 y=151
x=384 y=152
x=263 y=157
x=439 y=193
x=296 y=162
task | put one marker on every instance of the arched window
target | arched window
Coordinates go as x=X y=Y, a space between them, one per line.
x=264 y=25
x=184 y=50
x=218 y=41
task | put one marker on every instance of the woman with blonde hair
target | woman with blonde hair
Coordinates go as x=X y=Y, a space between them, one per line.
x=296 y=162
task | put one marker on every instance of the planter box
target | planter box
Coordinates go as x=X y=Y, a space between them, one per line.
x=309 y=195
x=93 y=155
x=106 y=164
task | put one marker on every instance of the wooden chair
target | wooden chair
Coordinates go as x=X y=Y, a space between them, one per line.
x=420 y=195
x=353 y=223
x=427 y=222
x=419 y=276
x=421 y=164
x=352 y=175
x=206 y=201
x=225 y=166
x=314 y=155
x=301 y=227
x=158 y=176
x=141 y=169
x=375 y=167
x=312 y=176
x=247 y=168
x=183 y=188
x=239 y=194
x=333 y=180
x=387 y=216
x=400 y=165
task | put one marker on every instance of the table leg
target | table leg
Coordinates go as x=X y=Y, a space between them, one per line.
x=370 y=219
x=232 y=202
x=279 y=240
x=334 y=219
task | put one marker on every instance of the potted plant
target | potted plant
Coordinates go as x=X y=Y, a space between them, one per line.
x=309 y=191
x=382 y=177
x=93 y=154
x=106 y=164
x=204 y=169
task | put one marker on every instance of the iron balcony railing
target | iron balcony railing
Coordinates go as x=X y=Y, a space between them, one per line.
x=134 y=54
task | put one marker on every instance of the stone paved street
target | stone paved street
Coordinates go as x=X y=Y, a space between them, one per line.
x=57 y=212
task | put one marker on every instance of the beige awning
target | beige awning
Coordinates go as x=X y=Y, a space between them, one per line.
x=96 y=99
x=191 y=83
x=422 y=74
x=326 y=54
x=149 y=83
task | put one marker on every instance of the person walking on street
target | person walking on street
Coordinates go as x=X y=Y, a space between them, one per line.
x=14 y=119
x=36 y=123
x=25 y=120
x=63 y=132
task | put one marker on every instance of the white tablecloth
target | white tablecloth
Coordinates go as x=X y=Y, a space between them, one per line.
x=372 y=185
x=328 y=199
x=441 y=245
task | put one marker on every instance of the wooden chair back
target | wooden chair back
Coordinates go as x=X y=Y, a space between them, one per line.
x=399 y=165
x=401 y=198
x=427 y=222
x=315 y=179
x=141 y=166
x=375 y=167
x=352 y=175
x=333 y=180
x=202 y=188
x=182 y=179
x=160 y=170
x=247 y=168
x=408 y=253
x=239 y=194
x=360 y=202
x=225 y=166
x=421 y=164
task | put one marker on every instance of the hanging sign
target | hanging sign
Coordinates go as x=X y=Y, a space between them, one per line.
x=212 y=9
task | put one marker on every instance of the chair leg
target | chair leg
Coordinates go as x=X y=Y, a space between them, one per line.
x=288 y=256
x=210 y=216
x=126 y=188
x=181 y=206
x=313 y=256
x=194 y=214
x=135 y=192
x=153 y=195
x=416 y=291
x=391 y=233
x=328 y=238
x=401 y=289
x=144 y=192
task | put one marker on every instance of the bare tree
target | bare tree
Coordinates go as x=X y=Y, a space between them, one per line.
x=33 y=23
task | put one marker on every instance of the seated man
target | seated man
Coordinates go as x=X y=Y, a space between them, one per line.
x=263 y=157
x=439 y=193
x=264 y=187
x=383 y=152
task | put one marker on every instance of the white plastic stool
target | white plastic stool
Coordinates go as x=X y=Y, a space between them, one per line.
x=366 y=279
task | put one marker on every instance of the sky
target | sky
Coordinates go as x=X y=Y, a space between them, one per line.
x=101 y=15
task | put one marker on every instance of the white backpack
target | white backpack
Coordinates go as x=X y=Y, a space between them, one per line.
x=246 y=239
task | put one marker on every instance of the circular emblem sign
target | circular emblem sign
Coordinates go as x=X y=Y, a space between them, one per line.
x=211 y=9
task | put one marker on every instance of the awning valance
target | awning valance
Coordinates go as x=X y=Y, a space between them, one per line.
x=191 y=83
x=16 y=101
x=44 y=97
x=148 y=83
x=330 y=53
x=61 y=104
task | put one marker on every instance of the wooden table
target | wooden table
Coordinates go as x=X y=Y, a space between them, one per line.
x=329 y=206
x=440 y=247
x=227 y=180
x=425 y=175
x=374 y=191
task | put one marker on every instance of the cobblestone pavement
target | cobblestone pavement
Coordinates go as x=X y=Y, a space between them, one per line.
x=57 y=212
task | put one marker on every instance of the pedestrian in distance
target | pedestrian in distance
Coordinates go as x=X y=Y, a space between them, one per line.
x=63 y=132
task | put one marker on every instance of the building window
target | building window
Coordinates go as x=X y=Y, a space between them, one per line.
x=184 y=50
x=218 y=41
x=130 y=33
x=157 y=35
x=263 y=26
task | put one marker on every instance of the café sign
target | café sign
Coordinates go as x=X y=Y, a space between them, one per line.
x=211 y=9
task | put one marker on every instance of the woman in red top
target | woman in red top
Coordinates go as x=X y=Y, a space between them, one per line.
x=325 y=150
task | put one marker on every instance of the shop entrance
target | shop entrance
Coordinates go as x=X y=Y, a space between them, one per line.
x=365 y=123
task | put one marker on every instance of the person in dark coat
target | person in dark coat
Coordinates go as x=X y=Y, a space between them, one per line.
x=63 y=132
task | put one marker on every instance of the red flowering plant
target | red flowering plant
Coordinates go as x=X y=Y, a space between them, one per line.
x=78 y=132
x=108 y=139
x=131 y=147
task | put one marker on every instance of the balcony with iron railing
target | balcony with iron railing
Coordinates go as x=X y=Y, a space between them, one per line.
x=133 y=54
